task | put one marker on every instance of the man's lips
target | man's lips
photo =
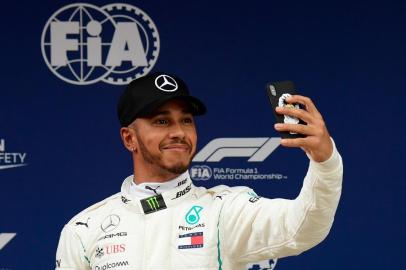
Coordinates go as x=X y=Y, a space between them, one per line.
x=177 y=147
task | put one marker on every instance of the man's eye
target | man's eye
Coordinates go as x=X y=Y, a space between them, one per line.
x=188 y=121
x=161 y=122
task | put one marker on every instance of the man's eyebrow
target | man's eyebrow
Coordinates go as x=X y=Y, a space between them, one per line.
x=188 y=110
x=160 y=113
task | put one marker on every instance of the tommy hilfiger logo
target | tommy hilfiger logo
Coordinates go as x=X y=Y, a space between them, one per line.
x=190 y=240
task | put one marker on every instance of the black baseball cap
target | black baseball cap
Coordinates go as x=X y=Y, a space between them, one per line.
x=146 y=94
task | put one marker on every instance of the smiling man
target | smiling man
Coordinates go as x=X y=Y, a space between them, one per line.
x=165 y=141
x=160 y=220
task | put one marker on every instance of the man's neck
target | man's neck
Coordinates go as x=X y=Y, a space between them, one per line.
x=145 y=174
x=148 y=189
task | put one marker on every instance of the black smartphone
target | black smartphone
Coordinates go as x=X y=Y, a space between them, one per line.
x=277 y=93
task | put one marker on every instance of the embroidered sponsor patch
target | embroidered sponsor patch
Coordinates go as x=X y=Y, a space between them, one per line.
x=253 y=197
x=153 y=204
x=190 y=240
x=192 y=216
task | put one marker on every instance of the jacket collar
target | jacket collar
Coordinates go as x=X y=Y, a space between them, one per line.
x=182 y=188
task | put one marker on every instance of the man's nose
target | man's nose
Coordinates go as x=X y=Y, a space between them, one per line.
x=177 y=131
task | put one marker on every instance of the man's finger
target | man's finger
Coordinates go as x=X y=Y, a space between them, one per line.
x=298 y=113
x=297 y=128
x=298 y=142
x=307 y=102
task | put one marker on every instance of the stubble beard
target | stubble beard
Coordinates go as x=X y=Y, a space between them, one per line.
x=178 y=168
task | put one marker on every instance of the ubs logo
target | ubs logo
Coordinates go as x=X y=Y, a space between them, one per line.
x=84 y=44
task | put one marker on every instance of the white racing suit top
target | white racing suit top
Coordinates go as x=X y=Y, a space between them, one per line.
x=191 y=227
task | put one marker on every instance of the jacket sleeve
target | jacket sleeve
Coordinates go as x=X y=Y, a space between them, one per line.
x=255 y=229
x=71 y=254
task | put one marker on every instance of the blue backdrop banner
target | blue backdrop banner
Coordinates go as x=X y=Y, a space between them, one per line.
x=64 y=65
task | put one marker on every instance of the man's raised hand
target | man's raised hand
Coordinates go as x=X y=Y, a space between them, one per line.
x=317 y=143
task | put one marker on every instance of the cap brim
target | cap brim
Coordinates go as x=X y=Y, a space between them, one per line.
x=197 y=107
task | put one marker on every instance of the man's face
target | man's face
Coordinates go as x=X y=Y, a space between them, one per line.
x=166 y=140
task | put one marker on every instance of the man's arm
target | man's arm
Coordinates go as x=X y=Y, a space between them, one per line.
x=273 y=228
x=70 y=254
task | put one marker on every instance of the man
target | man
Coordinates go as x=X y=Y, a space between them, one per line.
x=160 y=220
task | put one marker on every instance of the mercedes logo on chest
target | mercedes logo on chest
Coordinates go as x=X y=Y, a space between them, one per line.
x=166 y=83
x=110 y=223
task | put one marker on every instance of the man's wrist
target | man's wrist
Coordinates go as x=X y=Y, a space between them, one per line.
x=329 y=165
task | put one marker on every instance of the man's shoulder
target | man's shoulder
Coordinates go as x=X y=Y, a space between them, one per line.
x=95 y=211
x=229 y=192
x=222 y=188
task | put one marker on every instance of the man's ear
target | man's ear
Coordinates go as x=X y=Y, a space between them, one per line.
x=129 y=139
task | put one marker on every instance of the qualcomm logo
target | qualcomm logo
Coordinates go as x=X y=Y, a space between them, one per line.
x=5 y=238
x=10 y=160
x=84 y=44
x=263 y=265
x=257 y=149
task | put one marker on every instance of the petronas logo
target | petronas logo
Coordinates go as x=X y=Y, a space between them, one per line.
x=192 y=216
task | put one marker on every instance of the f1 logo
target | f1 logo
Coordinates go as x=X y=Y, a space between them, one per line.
x=257 y=149
x=5 y=238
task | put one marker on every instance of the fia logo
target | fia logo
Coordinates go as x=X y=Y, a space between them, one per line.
x=201 y=172
x=83 y=44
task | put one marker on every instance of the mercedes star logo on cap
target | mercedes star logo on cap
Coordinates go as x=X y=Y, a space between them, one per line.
x=110 y=223
x=166 y=83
